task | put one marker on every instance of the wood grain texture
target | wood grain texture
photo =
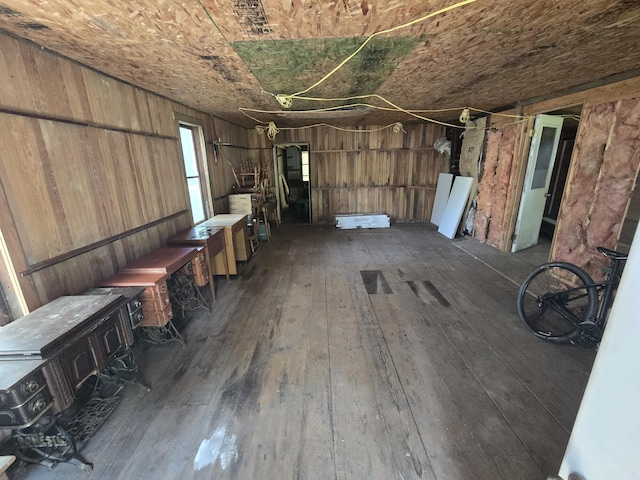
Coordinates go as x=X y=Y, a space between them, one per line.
x=298 y=372
x=368 y=172
x=83 y=158
x=190 y=52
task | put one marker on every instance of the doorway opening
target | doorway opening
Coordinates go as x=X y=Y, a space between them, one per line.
x=548 y=167
x=293 y=186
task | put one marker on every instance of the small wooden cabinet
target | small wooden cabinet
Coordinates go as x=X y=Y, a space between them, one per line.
x=156 y=305
x=198 y=269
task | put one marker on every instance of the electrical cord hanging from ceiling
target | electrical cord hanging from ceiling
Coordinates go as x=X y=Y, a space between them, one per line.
x=350 y=106
x=396 y=127
x=286 y=100
x=414 y=113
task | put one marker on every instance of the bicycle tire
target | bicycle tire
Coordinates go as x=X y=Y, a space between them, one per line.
x=554 y=299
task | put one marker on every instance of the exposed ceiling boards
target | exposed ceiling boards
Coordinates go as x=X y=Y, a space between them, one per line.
x=218 y=55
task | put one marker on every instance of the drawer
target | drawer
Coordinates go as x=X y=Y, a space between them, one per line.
x=26 y=388
x=157 y=318
x=198 y=268
x=136 y=318
x=26 y=413
x=154 y=298
x=134 y=305
x=158 y=290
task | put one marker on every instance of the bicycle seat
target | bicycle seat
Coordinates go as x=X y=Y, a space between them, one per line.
x=612 y=254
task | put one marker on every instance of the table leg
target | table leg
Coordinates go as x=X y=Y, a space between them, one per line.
x=162 y=334
x=225 y=259
x=210 y=262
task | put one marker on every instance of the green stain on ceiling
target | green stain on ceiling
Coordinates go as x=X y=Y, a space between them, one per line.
x=288 y=66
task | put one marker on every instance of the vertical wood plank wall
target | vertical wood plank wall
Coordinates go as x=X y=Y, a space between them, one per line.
x=84 y=157
x=367 y=172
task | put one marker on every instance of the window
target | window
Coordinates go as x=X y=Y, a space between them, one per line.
x=197 y=185
x=305 y=165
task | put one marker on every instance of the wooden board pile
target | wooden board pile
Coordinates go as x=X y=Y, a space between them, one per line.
x=362 y=220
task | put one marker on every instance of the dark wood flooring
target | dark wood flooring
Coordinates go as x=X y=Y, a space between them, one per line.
x=360 y=354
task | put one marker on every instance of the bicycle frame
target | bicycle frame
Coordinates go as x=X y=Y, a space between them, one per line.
x=609 y=286
x=558 y=300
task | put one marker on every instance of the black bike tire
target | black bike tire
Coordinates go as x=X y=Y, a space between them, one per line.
x=592 y=299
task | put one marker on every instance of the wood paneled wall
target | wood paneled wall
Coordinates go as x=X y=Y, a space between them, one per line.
x=84 y=158
x=367 y=172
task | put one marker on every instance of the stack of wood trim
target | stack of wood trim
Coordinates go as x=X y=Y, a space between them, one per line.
x=362 y=220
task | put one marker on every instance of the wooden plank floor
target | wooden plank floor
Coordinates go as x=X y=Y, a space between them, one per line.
x=360 y=354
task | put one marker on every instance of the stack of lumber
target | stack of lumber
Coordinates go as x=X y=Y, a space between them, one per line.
x=362 y=220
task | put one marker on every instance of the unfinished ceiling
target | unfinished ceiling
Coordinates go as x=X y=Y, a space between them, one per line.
x=219 y=55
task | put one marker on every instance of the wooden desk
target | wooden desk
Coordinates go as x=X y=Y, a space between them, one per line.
x=162 y=260
x=236 y=236
x=48 y=354
x=212 y=239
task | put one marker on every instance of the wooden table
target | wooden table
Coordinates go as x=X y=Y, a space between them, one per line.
x=162 y=260
x=48 y=354
x=166 y=260
x=236 y=240
x=212 y=238
x=45 y=358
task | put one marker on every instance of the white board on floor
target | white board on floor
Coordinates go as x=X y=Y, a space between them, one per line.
x=442 y=195
x=455 y=206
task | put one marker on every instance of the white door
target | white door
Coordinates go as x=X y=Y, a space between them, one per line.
x=542 y=154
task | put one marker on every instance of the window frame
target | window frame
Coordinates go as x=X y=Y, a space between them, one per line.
x=197 y=135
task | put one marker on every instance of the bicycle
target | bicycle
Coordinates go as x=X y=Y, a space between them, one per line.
x=560 y=302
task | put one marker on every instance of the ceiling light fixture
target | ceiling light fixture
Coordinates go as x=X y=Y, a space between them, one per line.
x=465 y=116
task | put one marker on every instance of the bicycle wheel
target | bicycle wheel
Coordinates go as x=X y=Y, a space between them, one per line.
x=554 y=299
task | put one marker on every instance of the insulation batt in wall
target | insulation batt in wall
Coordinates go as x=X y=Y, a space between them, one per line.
x=603 y=173
x=494 y=186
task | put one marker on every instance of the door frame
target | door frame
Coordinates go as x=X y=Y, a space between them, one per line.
x=276 y=175
x=526 y=216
